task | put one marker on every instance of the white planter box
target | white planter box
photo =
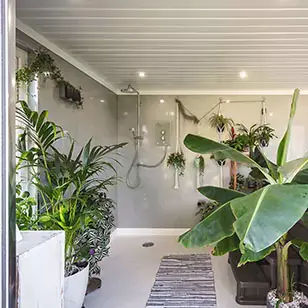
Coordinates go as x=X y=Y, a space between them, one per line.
x=40 y=269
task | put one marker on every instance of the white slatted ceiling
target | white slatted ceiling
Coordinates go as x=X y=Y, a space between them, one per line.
x=194 y=45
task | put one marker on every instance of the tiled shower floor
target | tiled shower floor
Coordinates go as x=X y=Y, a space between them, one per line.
x=129 y=273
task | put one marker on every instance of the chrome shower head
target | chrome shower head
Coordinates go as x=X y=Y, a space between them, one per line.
x=130 y=89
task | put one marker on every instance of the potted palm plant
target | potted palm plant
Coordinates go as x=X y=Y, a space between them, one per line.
x=256 y=224
x=68 y=187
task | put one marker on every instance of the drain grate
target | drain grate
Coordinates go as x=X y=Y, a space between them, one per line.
x=148 y=244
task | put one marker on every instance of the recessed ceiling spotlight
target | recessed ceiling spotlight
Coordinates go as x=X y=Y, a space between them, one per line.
x=102 y=101
x=161 y=101
x=243 y=74
x=141 y=74
x=227 y=101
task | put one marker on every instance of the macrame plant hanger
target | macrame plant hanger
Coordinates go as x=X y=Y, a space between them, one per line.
x=220 y=131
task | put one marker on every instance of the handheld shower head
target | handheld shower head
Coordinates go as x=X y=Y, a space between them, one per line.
x=129 y=90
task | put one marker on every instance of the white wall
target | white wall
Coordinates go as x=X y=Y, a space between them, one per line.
x=155 y=203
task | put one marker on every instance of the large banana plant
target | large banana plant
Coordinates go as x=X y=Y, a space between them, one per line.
x=257 y=223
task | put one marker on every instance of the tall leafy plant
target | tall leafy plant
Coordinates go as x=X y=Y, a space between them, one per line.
x=256 y=223
x=71 y=187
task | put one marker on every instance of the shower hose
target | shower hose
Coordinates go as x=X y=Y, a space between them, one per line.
x=138 y=165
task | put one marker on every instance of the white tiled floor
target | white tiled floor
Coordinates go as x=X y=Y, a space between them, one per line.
x=129 y=273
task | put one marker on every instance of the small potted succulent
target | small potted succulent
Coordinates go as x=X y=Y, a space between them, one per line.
x=219 y=122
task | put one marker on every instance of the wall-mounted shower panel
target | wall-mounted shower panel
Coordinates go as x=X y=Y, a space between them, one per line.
x=162 y=133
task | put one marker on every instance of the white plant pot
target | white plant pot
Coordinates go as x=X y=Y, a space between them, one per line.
x=75 y=288
x=176 y=179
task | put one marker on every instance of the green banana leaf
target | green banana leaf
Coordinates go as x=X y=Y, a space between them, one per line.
x=290 y=169
x=215 y=227
x=301 y=177
x=207 y=146
x=267 y=214
x=251 y=256
x=221 y=195
x=284 y=143
x=303 y=248
x=226 y=245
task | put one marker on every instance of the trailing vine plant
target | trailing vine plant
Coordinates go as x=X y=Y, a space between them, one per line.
x=43 y=65
x=177 y=161
x=200 y=164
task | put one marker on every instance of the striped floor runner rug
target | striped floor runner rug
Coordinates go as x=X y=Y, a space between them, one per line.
x=184 y=281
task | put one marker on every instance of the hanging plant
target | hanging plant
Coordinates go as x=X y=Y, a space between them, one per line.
x=256 y=135
x=265 y=134
x=199 y=164
x=43 y=65
x=187 y=115
x=177 y=161
x=219 y=122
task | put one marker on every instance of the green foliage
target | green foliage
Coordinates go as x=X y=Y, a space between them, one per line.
x=246 y=184
x=219 y=122
x=177 y=161
x=200 y=164
x=239 y=143
x=25 y=217
x=252 y=137
x=205 y=208
x=71 y=187
x=221 y=151
x=42 y=65
x=260 y=220
x=285 y=141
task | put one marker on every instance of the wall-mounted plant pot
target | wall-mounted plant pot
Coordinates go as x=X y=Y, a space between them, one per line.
x=69 y=93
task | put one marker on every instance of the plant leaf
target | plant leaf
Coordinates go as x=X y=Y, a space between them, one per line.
x=284 y=143
x=228 y=244
x=251 y=256
x=292 y=168
x=301 y=177
x=221 y=195
x=215 y=227
x=207 y=146
x=303 y=248
x=265 y=215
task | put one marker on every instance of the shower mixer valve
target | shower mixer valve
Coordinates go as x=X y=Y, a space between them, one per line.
x=136 y=137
